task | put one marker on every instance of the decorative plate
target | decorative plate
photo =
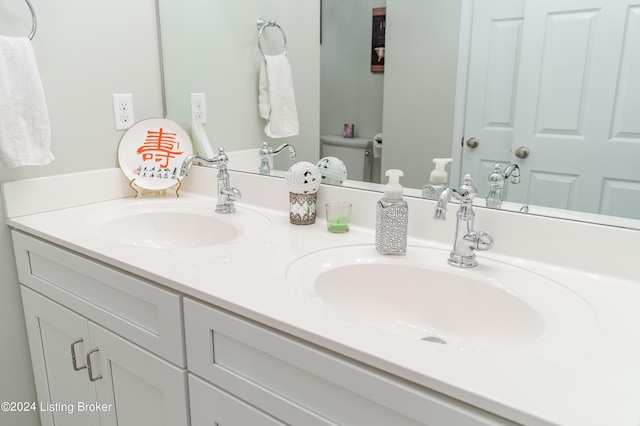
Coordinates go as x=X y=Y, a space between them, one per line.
x=151 y=152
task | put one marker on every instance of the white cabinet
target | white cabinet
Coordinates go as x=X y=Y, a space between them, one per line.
x=132 y=347
x=301 y=384
x=85 y=373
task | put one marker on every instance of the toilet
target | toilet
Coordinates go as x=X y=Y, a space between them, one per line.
x=355 y=153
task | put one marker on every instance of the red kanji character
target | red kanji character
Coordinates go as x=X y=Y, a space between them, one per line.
x=160 y=146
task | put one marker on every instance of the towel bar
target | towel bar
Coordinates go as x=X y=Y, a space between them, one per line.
x=262 y=24
x=34 y=20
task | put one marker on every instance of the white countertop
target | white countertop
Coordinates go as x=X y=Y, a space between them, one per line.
x=582 y=373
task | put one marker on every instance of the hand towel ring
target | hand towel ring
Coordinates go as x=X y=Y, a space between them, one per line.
x=34 y=20
x=262 y=24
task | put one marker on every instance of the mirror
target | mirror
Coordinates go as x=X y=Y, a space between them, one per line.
x=423 y=100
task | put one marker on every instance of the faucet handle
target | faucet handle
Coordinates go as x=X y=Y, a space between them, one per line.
x=222 y=157
x=496 y=180
x=233 y=194
x=478 y=240
x=264 y=150
x=467 y=186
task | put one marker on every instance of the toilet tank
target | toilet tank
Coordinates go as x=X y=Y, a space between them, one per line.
x=355 y=153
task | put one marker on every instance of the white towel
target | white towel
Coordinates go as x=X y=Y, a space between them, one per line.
x=377 y=145
x=276 y=99
x=200 y=139
x=25 y=133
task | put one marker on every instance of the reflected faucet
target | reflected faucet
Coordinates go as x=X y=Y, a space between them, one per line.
x=467 y=240
x=267 y=152
x=226 y=194
x=497 y=180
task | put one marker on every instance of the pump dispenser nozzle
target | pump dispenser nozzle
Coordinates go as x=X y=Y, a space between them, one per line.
x=393 y=189
x=438 y=180
x=439 y=174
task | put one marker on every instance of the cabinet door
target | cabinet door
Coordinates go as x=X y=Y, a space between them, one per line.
x=54 y=332
x=134 y=387
x=211 y=406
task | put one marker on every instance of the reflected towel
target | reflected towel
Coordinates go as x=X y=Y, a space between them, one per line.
x=276 y=99
x=200 y=139
x=377 y=145
x=25 y=133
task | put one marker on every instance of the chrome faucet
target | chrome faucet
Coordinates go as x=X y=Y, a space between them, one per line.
x=226 y=194
x=497 y=180
x=266 y=152
x=467 y=240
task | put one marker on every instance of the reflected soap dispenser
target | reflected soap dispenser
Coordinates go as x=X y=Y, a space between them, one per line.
x=392 y=217
x=438 y=180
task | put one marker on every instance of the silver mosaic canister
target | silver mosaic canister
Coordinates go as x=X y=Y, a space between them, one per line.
x=391 y=228
x=392 y=217
x=303 y=180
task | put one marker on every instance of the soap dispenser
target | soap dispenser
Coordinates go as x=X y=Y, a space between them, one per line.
x=392 y=217
x=438 y=180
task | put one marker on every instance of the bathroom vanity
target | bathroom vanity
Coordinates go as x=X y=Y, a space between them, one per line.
x=160 y=311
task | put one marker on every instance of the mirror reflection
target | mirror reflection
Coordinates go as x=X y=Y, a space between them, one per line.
x=546 y=85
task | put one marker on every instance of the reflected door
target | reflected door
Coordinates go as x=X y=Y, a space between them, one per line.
x=496 y=39
x=559 y=78
x=578 y=106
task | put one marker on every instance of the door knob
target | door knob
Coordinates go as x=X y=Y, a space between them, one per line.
x=522 y=152
x=473 y=142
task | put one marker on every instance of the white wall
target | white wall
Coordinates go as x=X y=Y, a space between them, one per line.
x=222 y=60
x=419 y=87
x=350 y=92
x=419 y=79
x=86 y=50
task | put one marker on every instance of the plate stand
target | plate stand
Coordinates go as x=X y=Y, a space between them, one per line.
x=157 y=193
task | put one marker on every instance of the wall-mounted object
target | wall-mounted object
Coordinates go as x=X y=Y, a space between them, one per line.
x=262 y=24
x=378 y=32
x=34 y=20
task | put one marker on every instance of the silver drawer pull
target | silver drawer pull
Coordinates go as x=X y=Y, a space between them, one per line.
x=73 y=355
x=90 y=368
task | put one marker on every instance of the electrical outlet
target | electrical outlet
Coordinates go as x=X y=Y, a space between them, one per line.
x=123 y=110
x=199 y=107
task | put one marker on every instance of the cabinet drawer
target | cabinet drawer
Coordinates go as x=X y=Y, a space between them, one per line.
x=211 y=405
x=139 y=311
x=222 y=348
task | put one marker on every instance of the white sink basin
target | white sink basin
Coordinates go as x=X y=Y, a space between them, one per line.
x=172 y=223
x=422 y=297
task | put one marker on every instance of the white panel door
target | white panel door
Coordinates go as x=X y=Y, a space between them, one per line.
x=496 y=36
x=54 y=332
x=578 y=106
x=136 y=387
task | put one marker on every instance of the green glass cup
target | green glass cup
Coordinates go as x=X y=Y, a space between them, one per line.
x=338 y=216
